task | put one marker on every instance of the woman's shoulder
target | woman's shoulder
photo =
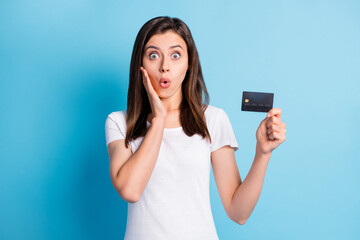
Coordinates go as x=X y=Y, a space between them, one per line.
x=118 y=116
x=212 y=111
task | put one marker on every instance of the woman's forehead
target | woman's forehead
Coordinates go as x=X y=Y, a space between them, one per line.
x=166 y=40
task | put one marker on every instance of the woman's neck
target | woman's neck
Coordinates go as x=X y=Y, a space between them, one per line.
x=172 y=104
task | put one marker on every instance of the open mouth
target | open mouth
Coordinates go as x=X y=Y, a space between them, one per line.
x=164 y=82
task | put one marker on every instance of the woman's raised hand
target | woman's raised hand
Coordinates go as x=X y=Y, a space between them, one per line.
x=157 y=107
x=271 y=132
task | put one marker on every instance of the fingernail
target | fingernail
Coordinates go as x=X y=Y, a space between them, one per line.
x=268 y=115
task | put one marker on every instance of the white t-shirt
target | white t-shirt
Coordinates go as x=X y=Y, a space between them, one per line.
x=176 y=203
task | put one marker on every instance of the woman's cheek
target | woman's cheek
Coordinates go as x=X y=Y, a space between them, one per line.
x=153 y=82
x=183 y=72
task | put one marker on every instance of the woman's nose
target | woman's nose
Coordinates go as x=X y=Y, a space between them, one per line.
x=164 y=66
x=164 y=69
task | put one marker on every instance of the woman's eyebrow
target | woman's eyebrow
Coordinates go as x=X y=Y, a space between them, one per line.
x=151 y=46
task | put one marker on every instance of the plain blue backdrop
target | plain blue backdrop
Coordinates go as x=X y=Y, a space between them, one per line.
x=64 y=67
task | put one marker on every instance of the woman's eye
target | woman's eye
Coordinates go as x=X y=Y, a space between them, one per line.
x=151 y=55
x=177 y=55
x=155 y=55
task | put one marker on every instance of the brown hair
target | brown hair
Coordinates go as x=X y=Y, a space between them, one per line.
x=192 y=108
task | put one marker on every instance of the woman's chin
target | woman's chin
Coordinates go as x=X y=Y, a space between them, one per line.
x=162 y=94
x=168 y=93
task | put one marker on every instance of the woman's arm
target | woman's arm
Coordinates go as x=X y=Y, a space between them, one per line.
x=134 y=171
x=131 y=173
x=247 y=193
x=239 y=198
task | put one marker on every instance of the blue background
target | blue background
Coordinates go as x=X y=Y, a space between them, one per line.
x=64 y=67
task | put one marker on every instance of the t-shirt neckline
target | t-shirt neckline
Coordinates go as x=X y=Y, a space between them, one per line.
x=167 y=129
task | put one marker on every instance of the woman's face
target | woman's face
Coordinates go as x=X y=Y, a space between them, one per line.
x=166 y=61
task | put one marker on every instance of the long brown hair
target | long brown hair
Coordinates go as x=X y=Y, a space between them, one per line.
x=192 y=107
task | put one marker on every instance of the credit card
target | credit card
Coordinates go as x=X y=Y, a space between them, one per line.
x=257 y=101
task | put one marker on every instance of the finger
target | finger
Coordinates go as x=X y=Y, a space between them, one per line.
x=144 y=78
x=274 y=128
x=144 y=73
x=274 y=112
x=279 y=136
x=265 y=120
x=150 y=88
x=275 y=135
x=272 y=136
x=274 y=120
x=147 y=81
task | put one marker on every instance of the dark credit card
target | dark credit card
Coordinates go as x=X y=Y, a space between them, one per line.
x=257 y=101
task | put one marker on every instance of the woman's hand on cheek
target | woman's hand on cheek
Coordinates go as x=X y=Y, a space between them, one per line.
x=157 y=106
x=271 y=132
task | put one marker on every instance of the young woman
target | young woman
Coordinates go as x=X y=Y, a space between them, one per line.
x=161 y=147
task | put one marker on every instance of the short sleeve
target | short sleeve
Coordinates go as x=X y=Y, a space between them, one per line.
x=222 y=133
x=115 y=127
